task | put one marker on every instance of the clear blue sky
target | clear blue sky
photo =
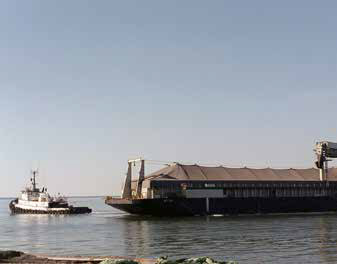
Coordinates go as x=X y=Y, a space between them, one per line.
x=85 y=85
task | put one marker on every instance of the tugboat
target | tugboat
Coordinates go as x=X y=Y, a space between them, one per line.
x=32 y=200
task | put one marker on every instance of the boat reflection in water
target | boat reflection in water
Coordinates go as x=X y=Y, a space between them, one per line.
x=248 y=239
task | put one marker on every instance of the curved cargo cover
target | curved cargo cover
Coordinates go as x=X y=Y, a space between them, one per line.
x=179 y=171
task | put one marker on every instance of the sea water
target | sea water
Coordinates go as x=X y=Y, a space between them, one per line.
x=297 y=238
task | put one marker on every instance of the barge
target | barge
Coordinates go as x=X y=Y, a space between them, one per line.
x=185 y=190
x=32 y=200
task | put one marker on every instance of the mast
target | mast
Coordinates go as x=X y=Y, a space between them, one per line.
x=141 y=178
x=127 y=191
x=127 y=185
x=34 y=172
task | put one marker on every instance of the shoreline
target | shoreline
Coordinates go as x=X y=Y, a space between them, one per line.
x=12 y=256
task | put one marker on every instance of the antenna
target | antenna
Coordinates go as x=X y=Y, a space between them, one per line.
x=34 y=172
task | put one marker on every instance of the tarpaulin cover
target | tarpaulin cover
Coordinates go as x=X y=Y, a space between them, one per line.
x=178 y=171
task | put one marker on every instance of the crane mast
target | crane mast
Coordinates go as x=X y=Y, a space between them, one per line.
x=324 y=150
x=127 y=191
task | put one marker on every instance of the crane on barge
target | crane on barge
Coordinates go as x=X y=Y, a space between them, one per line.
x=324 y=150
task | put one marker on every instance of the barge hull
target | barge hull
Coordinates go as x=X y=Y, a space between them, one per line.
x=224 y=206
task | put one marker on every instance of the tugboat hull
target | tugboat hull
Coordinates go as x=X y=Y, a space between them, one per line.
x=15 y=209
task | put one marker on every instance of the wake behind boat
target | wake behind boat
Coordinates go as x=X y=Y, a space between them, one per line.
x=32 y=200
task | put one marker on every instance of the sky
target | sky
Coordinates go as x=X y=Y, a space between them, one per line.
x=86 y=85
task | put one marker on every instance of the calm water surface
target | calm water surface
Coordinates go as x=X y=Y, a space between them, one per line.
x=247 y=239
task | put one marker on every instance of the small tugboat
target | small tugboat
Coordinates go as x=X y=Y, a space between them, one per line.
x=32 y=200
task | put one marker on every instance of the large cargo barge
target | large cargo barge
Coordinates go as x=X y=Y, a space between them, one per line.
x=180 y=189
